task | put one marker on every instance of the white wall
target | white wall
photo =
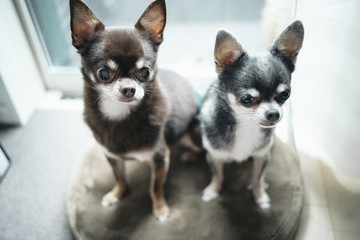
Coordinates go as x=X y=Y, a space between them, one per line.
x=326 y=83
x=22 y=85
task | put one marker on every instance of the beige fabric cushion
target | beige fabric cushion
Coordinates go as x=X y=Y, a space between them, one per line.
x=233 y=215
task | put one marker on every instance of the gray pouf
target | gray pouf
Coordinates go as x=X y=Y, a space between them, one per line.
x=233 y=215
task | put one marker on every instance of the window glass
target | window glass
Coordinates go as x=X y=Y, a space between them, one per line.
x=188 y=22
x=189 y=35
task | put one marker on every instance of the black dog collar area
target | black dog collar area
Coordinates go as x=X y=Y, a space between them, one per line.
x=233 y=215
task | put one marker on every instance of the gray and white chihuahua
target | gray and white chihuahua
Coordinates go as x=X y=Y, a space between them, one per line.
x=133 y=110
x=243 y=106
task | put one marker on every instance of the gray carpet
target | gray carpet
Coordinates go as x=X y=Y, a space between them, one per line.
x=33 y=193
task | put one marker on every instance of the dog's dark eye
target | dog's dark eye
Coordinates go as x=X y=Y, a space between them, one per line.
x=283 y=96
x=144 y=73
x=247 y=100
x=104 y=74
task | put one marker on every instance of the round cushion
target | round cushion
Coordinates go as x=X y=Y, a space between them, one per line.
x=233 y=215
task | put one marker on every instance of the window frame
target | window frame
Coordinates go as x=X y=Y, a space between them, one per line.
x=67 y=79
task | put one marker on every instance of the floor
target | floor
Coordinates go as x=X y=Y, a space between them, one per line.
x=332 y=202
x=33 y=192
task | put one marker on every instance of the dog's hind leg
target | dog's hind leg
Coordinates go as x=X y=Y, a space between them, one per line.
x=192 y=140
x=187 y=141
x=195 y=150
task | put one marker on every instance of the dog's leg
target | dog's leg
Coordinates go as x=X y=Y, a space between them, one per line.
x=213 y=189
x=187 y=141
x=116 y=193
x=191 y=154
x=159 y=169
x=258 y=182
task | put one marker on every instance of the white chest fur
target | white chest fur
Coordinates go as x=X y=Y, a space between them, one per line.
x=115 y=110
x=248 y=141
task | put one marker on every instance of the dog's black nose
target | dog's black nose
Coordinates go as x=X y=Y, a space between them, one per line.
x=272 y=115
x=128 y=92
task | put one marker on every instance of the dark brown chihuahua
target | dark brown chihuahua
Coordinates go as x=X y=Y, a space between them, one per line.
x=133 y=111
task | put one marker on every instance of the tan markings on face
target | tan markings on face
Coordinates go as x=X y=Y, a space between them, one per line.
x=92 y=78
x=112 y=65
x=253 y=92
x=140 y=63
x=232 y=98
x=126 y=81
x=255 y=106
x=281 y=88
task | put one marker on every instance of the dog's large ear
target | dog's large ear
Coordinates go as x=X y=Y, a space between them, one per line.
x=227 y=50
x=84 y=24
x=152 y=21
x=289 y=42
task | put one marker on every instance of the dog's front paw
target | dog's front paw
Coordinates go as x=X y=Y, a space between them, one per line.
x=209 y=194
x=263 y=201
x=162 y=213
x=109 y=199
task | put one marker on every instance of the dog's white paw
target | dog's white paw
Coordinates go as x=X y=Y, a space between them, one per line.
x=109 y=199
x=209 y=194
x=163 y=218
x=162 y=214
x=263 y=201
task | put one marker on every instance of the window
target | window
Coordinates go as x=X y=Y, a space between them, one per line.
x=189 y=34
